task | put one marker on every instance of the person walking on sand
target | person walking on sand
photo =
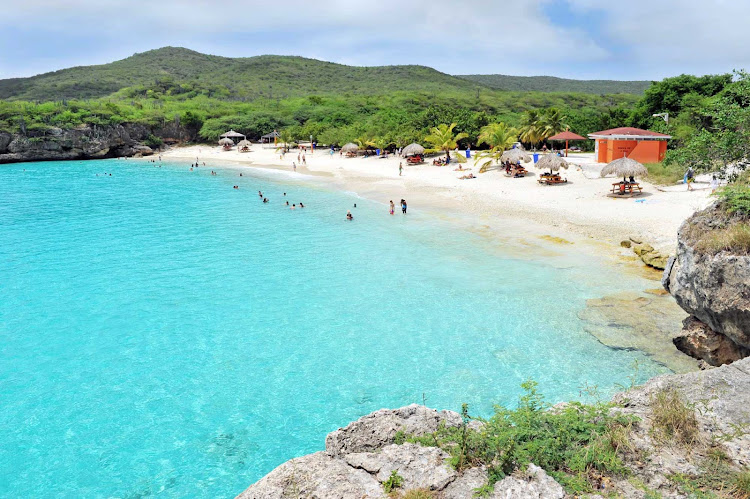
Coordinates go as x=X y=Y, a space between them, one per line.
x=689 y=178
x=400 y=168
x=298 y=158
x=294 y=165
x=393 y=207
x=304 y=160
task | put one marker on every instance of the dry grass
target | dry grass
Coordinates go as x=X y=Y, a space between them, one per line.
x=673 y=420
x=412 y=494
x=661 y=174
x=735 y=238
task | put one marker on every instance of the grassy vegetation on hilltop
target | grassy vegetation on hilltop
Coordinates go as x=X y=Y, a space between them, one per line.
x=553 y=84
x=271 y=77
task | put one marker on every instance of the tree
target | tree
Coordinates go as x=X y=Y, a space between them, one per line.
x=529 y=130
x=499 y=137
x=441 y=138
x=551 y=121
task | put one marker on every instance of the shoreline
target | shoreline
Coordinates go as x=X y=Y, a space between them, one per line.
x=578 y=211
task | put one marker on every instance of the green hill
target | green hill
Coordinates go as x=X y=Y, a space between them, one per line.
x=553 y=84
x=176 y=70
x=238 y=78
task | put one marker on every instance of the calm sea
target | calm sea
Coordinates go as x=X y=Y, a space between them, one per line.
x=164 y=333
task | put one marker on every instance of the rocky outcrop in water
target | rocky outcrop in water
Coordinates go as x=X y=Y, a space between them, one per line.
x=360 y=457
x=84 y=142
x=714 y=289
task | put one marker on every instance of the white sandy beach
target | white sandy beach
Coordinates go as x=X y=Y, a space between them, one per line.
x=579 y=209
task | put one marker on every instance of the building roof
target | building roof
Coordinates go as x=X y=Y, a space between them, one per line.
x=628 y=132
x=568 y=135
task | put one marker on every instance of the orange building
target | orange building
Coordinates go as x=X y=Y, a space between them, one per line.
x=644 y=146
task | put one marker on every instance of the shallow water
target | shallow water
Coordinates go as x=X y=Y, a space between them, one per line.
x=164 y=333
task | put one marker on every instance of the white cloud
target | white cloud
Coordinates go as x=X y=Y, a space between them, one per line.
x=439 y=33
x=633 y=39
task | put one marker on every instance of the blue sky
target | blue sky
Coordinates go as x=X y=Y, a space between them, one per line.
x=634 y=39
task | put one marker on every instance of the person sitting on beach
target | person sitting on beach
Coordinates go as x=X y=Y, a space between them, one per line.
x=631 y=179
x=459 y=169
x=349 y=215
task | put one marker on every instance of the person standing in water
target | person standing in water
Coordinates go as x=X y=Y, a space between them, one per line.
x=403 y=206
x=349 y=215
x=393 y=207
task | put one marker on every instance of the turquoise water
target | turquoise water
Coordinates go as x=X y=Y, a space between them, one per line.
x=165 y=334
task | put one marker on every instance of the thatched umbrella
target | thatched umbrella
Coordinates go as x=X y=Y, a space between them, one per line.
x=226 y=142
x=625 y=167
x=515 y=155
x=244 y=144
x=232 y=135
x=412 y=150
x=350 y=147
x=551 y=161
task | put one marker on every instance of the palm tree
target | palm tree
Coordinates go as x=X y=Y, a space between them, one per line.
x=530 y=127
x=381 y=143
x=442 y=139
x=499 y=137
x=551 y=122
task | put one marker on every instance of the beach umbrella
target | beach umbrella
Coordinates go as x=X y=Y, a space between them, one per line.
x=515 y=155
x=566 y=136
x=232 y=135
x=412 y=150
x=244 y=143
x=350 y=147
x=551 y=161
x=226 y=142
x=624 y=167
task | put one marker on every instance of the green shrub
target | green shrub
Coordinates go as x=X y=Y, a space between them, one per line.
x=735 y=198
x=153 y=141
x=576 y=444
x=395 y=481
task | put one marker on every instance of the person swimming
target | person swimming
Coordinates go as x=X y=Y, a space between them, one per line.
x=294 y=206
x=287 y=203
x=301 y=205
x=265 y=200
x=349 y=215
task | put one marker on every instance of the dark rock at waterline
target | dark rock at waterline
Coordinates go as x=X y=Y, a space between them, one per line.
x=85 y=142
x=700 y=342
x=714 y=288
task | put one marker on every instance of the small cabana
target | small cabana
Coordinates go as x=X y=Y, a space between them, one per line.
x=232 y=135
x=350 y=149
x=226 y=143
x=628 y=169
x=414 y=153
x=554 y=163
x=566 y=136
x=268 y=139
x=244 y=145
x=515 y=155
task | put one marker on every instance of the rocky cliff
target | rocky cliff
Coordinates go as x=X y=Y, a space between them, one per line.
x=714 y=288
x=85 y=142
x=359 y=459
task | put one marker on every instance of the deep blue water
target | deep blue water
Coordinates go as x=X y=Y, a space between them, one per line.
x=162 y=333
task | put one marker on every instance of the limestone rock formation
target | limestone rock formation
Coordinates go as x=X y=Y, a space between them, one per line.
x=700 y=342
x=361 y=457
x=714 y=288
x=84 y=142
x=378 y=429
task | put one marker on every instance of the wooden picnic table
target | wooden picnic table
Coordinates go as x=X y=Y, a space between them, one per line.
x=625 y=188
